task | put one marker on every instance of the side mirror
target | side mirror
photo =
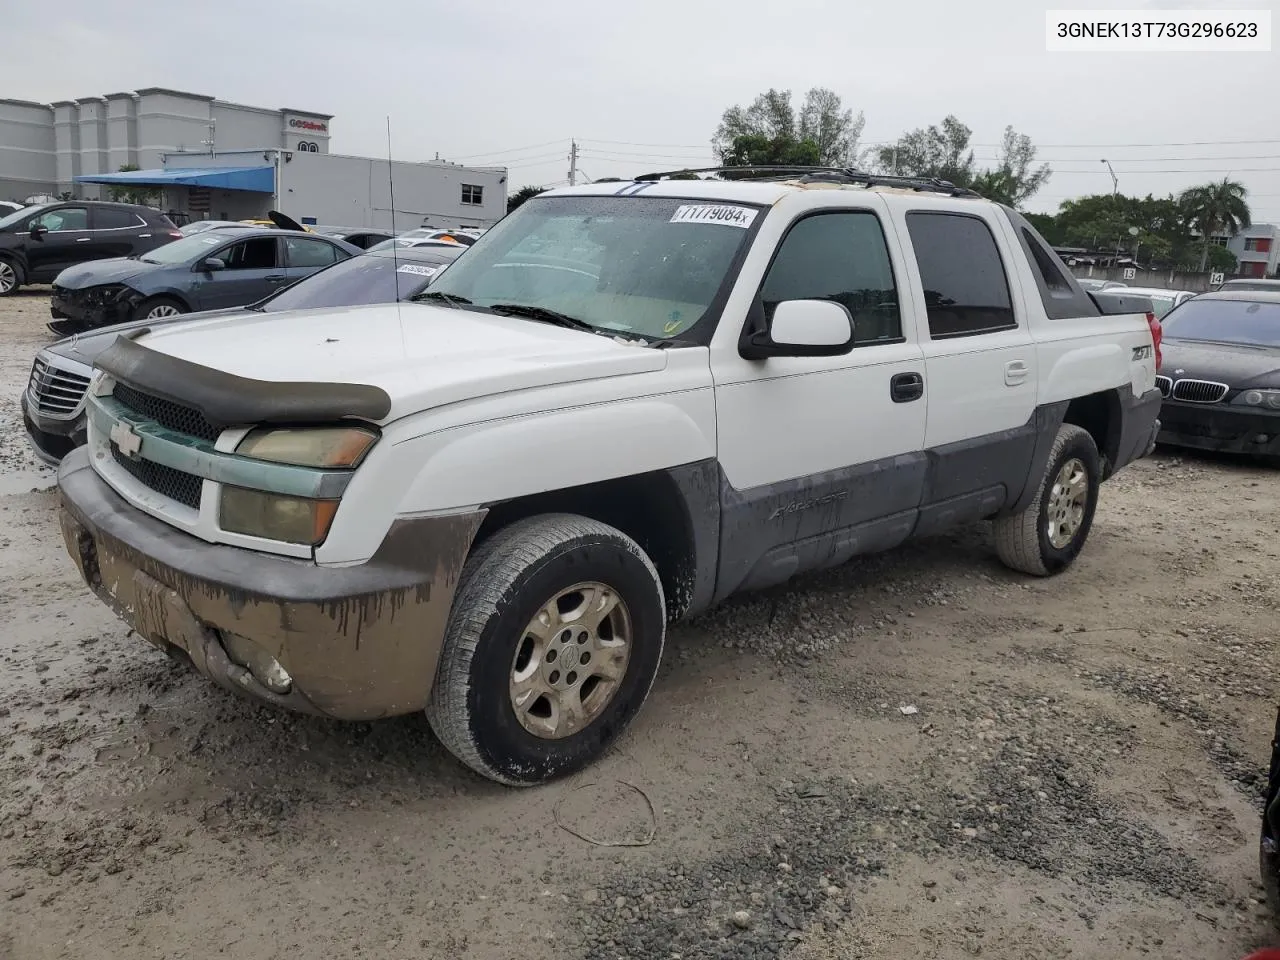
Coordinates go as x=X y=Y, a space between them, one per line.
x=802 y=328
x=212 y=265
x=38 y=232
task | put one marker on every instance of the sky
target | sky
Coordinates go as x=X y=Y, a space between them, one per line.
x=641 y=87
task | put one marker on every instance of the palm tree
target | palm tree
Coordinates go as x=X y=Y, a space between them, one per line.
x=1215 y=208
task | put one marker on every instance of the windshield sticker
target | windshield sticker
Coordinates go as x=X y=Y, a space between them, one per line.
x=417 y=269
x=725 y=216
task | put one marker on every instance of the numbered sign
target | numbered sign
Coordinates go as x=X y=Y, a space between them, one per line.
x=1130 y=273
x=1215 y=279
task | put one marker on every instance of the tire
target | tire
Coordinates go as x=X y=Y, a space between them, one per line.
x=491 y=660
x=158 y=308
x=1034 y=541
x=11 y=277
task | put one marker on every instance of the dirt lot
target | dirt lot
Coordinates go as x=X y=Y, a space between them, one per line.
x=1081 y=778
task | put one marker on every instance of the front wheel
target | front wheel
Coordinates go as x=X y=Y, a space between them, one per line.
x=158 y=308
x=1048 y=535
x=10 y=277
x=552 y=646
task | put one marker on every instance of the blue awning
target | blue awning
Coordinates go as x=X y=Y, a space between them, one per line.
x=253 y=179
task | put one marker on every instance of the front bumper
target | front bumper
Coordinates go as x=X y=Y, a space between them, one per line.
x=51 y=438
x=1219 y=427
x=87 y=309
x=359 y=642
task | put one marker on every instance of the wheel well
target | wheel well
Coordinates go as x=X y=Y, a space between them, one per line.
x=648 y=508
x=177 y=298
x=15 y=262
x=1099 y=414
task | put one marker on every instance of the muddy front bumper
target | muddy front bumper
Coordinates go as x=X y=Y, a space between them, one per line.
x=353 y=643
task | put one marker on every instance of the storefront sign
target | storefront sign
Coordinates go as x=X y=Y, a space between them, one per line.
x=319 y=125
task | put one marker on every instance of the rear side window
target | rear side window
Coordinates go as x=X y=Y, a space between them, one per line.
x=966 y=291
x=304 y=252
x=108 y=218
x=841 y=257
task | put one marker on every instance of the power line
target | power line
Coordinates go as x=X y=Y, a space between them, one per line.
x=533 y=146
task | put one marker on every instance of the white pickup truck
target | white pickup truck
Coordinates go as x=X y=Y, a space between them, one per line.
x=623 y=404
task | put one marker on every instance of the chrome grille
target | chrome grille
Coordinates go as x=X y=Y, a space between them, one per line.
x=1164 y=385
x=174 y=416
x=56 y=392
x=183 y=487
x=1199 y=391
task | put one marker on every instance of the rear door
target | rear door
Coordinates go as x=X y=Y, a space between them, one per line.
x=113 y=232
x=305 y=255
x=253 y=268
x=65 y=243
x=979 y=357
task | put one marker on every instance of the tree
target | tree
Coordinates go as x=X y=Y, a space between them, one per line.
x=1221 y=259
x=769 y=131
x=941 y=151
x=143 y=196
x=1213 y=209
x=1013 y=181
x=521 y=195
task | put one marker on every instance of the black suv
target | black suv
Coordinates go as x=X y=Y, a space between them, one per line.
x=37 y=243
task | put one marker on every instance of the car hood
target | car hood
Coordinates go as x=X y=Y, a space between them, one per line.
x=423 y=356
x=97 y=272
x=85 y=347
x=1236 y=366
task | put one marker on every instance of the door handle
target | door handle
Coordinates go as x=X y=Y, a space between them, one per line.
x=275 y=278
x=1015 y=373
x=905 y=387
x=82 y=239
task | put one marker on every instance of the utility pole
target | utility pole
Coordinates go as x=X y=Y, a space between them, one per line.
x=895 y=159
x=573 y=163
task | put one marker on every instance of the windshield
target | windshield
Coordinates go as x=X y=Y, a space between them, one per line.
x=1160 y=305
x=19 y=215
x=1226 y=321
x=189 y=248
x=357 y=280
x=641 y=265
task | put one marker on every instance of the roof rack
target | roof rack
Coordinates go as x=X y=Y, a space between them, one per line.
x=846 y=175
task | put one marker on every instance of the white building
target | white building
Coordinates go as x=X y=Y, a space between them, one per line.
x=209 y=158
x=1257 y=250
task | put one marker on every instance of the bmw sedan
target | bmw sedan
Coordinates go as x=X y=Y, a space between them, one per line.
x=207 y=271
x=53 y=403
x=1221 y=374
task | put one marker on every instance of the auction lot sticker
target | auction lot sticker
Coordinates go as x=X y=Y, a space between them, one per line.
x=724 y=215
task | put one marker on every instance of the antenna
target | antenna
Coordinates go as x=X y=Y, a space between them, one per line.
x=395 y=247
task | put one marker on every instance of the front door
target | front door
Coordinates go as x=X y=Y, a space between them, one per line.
x=980 y=361
x=65 y=243
x=252 y=268
x=821 y=456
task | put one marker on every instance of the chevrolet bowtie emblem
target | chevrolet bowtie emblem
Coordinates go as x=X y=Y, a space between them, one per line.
x=128 y=442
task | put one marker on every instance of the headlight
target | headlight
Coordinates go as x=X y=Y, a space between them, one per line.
x=275 y=516
x=309 y=446
x=1267 y=399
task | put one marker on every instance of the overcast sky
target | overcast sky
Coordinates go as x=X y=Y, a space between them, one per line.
x=642 y=85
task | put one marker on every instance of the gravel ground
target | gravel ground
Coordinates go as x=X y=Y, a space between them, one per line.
x=1080 y=776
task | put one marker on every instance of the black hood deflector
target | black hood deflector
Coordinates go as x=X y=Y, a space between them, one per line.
x=227 y=400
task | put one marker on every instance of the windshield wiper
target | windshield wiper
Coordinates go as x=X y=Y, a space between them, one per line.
x=447 y=298
x=542 y=314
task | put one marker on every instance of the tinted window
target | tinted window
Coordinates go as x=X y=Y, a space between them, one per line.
x=256 y=254
x=966 y=291
x=109 y=218
x=1229 y=321
x=304 y=252
x=840 y=257
x=63 y=218
x=366 y=279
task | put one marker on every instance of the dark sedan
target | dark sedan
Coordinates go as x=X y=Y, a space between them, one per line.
x=207 y=271
x=1221 y=374
x=53 y=403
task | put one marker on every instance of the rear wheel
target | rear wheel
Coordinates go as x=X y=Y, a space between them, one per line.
x=552 y=645
x=158 y=308
x=10 y=277
x=1048 y=535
